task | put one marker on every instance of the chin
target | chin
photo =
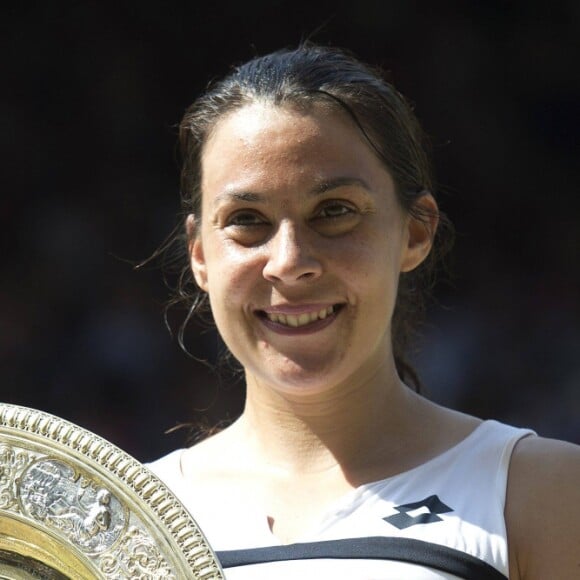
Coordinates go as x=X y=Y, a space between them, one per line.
x=303 y=377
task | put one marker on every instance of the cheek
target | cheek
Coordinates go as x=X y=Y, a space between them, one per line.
x=372 y=272
x=376 y=258
x=232 y=275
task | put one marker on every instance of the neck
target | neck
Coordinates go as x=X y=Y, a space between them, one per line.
x=307 y=433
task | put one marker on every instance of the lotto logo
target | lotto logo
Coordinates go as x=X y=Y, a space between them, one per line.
x=419 y=512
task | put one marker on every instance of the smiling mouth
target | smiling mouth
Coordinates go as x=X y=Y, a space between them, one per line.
x=297 y=320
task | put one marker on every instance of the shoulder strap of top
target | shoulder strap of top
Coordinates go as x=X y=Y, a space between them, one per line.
x=408 y=550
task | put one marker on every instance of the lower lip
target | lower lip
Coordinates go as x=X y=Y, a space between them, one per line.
x=310 y=328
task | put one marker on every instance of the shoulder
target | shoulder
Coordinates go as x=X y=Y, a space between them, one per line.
x=168 y=468
x=216 y=456
x=543 y=509
x=193 y=462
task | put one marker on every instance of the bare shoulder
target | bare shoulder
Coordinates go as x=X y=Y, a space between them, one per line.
x=212 y=456
x=543 y=510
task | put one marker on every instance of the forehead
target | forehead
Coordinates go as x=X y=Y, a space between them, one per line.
x=266 y=146
x=269 y=129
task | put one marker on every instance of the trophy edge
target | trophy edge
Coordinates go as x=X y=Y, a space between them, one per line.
x=180 y=526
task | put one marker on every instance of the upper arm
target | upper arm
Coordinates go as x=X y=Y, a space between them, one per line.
x=543 y=510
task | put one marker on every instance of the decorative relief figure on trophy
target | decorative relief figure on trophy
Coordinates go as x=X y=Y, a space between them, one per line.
x=89 y=515
x=99 y=516
x=136 y=556
x=12 y=464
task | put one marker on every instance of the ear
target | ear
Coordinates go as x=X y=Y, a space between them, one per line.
x=421 y=227
x=196 y=255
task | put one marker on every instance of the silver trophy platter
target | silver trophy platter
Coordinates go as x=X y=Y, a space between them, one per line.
x=74 y=506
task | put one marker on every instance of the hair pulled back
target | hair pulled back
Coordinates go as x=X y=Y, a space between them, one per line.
x=313 y=75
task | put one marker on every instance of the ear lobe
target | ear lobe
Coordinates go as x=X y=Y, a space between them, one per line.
x=196 y=254
x=421 y=227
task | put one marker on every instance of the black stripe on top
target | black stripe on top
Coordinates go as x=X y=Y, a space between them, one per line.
x=372 y=548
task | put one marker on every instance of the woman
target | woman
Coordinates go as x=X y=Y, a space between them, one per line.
x=311 y=224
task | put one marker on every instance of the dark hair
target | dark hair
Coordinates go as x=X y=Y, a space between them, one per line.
x=303 y=77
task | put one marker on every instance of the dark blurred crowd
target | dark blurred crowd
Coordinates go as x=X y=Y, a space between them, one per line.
x=92 y=95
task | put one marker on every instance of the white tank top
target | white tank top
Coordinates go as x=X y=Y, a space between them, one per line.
x=441 y=520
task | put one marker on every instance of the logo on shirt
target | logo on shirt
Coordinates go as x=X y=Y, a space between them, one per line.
x=419 y=512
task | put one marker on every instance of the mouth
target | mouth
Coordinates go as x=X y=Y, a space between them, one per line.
x=311 y=318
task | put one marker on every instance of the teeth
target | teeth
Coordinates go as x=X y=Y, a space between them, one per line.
x=292 y=320
x=301 y=319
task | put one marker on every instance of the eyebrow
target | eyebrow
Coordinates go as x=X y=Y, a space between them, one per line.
x=336 y=182
x=322 y=187
x=237 y=196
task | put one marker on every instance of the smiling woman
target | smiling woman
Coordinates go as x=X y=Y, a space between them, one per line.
x=311 y=224
x=299 y=216
x=331 y=81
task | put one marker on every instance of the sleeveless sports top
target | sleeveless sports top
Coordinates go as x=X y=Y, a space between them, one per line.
x=441 y=520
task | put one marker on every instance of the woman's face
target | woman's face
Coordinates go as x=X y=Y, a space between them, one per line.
x=300 y=245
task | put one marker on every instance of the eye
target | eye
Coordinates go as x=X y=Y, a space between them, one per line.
x=336 y=217
x=246 y=227
x=334 y=209
x=246 y=218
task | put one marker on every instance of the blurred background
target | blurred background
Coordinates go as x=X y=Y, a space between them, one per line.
x=91 y=95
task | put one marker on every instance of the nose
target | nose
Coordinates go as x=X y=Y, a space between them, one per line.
x=291 y=256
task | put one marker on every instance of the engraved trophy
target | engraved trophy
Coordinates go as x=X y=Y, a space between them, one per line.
x=74 y=506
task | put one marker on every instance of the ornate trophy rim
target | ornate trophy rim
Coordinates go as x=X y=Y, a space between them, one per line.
x=130 y=516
